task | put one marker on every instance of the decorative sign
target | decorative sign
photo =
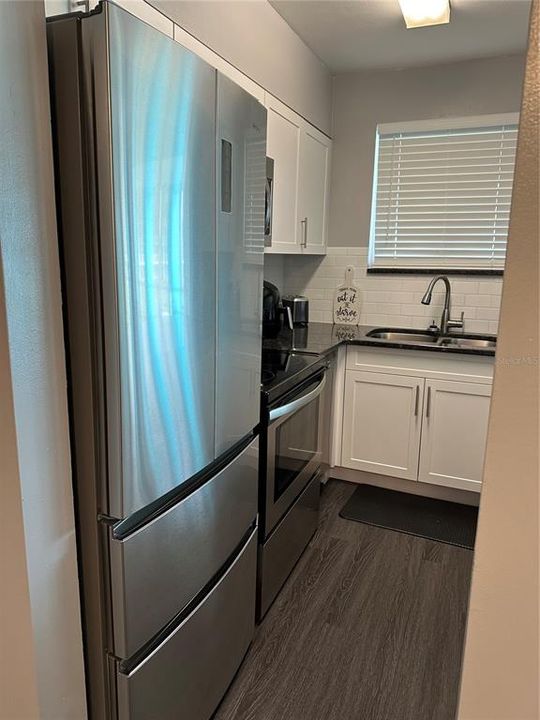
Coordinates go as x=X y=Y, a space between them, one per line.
x=347 y=301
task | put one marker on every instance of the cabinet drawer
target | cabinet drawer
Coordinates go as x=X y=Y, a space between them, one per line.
x=420 y=363
x=159 y=569
x=186 y=676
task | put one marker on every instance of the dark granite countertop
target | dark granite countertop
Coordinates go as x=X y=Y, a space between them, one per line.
x=322 y=338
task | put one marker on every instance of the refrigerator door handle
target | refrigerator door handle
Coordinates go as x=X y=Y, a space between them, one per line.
x=226 y=175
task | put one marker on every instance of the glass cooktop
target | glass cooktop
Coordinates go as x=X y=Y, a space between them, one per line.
x=281 y=369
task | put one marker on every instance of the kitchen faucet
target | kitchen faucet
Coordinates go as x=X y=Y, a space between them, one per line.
x=446 y=322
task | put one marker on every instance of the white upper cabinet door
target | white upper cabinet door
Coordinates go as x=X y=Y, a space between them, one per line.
x=314 y=178
x=283 y=146
x=381 y=423
x=454 y=434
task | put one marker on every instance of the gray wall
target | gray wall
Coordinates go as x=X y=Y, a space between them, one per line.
x=362 y=100
x=253 y=37
x=501 y=662
x=274 y=269
x=37 y=382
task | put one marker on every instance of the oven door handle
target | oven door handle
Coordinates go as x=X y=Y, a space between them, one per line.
x=300 y=402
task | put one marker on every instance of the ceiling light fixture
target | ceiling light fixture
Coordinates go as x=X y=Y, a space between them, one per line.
x=419 y=13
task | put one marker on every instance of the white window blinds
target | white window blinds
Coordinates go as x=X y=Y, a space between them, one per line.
x=441 y=197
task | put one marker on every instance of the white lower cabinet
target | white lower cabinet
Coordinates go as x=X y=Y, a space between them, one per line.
x=454 y=430
x=382 y=416
x=417 y=426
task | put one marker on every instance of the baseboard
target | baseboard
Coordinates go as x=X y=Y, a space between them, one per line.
x=409 y=486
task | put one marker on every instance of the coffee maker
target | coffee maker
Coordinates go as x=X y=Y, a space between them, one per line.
x=274 y=312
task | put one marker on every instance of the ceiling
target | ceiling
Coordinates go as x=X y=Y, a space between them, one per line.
x=350 y=35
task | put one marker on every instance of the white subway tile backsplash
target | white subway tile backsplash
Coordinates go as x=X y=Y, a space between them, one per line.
x=315 y=294
x=417 y=285
x=327 y=283
x=478 y=300
x=477 y=326
x=484 y=313
x=465 y=286
x=377 y=296
x=315 y=304
x=491 y=287
x=419 y=310
x=389 y=300
x=401 y=297
x=334 y=272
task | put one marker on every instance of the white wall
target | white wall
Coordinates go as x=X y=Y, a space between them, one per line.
x=501 y=666
x=363 y=100
x=29 y=256
x=253 y=37
x=18 y=681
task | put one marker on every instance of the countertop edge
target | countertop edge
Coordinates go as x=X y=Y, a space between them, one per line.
x=322 y=342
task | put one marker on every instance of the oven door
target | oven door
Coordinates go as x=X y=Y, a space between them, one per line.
x=294 y=447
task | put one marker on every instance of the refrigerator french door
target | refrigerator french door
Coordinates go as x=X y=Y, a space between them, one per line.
x=160 y=175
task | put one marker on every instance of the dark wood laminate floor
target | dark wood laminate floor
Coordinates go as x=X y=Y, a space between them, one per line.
x=369 y=626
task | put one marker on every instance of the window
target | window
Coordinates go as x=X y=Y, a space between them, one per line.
x=442 y=192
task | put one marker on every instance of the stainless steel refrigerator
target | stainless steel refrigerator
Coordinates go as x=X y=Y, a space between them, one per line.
x=160 y=174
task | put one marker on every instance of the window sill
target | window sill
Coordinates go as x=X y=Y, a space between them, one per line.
x=486 y=272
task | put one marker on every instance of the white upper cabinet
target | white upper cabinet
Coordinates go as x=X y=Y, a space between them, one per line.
x=283 y=137
x=301 y=155
x=313 y=190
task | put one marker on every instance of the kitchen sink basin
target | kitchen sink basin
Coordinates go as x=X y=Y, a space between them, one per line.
x=425 y=337
x=403 y=336
x=468 y=342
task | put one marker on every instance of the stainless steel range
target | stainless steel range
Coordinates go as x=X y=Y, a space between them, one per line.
x=290 y=460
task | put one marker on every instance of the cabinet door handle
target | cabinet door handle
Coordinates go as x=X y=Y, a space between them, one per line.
x=416 y=401
x=428 y=402
x=304 y=232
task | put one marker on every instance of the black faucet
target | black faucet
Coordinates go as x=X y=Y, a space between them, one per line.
x=446 y=322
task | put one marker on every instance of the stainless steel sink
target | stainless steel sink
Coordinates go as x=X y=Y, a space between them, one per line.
x=425 y=337
x=403 y=336
x=468 y=342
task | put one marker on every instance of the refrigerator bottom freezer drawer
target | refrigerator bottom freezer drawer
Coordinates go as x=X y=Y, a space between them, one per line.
x=187 y=675
x=280 y=553
x=160 y=568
